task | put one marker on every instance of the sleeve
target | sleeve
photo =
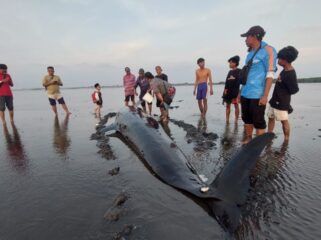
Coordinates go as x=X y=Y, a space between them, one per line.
x=59 y=80
x=44 y=81
x=154 y=87
x=270 y=62
x=291 y=83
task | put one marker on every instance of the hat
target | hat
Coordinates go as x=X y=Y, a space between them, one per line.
x=288 y=53
x=257 y=31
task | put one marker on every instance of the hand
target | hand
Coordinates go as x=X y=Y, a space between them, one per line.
x=194 y=92
x=263 y=101
x=211 y=92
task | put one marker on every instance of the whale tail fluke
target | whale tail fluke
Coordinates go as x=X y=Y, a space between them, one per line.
x=233 y=182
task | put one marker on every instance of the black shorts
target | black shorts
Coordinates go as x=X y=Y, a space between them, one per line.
x=167 y=100
x=131 y=97
x=252 y=113
x=52 y=101
x=6 y=101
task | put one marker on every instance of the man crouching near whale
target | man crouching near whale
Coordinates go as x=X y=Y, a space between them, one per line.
x=164 y=93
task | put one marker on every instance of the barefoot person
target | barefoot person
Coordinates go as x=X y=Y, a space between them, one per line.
x=285 y=86
x=52 y=84
x=255 y=92
x=232 y=88
x=129 y=82
x=6 y=96
x=144 y=86
x=164 y=92
x=203 y=78
x=97 y=99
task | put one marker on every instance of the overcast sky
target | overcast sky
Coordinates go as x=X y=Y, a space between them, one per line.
x=92 y=41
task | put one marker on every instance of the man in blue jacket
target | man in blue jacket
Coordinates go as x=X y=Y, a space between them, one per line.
x=254 y=93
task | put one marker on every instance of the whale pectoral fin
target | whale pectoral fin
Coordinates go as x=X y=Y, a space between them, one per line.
x=109 y=130
x=233 y=181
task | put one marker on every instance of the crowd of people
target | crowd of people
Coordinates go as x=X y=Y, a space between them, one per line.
x=248 y=86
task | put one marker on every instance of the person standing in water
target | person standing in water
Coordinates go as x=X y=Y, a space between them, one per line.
x=52 y=84
x=232 y=88
x=97 y=99
x=203 y=78
x=160 y=74
x=129 y=82
x=144 y=86
x=285 y=86
x=6 y=96
x=258 y=83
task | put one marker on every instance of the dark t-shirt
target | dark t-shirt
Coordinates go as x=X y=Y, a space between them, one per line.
x=163 y=77
x=143 y=84
x=232 y=84
x=285 y=86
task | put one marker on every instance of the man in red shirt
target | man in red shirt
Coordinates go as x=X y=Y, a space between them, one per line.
x=6 y=97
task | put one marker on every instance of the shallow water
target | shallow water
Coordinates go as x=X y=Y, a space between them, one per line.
x=55 y=185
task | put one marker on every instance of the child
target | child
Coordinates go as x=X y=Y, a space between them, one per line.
x=97 y=99
x=232 y=88
x=285 y=86
x=203 y=77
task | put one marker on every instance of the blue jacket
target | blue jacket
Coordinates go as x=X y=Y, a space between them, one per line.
x=263 y=62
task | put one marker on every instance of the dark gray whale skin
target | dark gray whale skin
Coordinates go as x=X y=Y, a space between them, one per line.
x=226 y=193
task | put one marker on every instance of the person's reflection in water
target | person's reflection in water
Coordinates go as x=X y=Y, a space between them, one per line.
x=202 y=125
x=61 y=140
x=15 y=148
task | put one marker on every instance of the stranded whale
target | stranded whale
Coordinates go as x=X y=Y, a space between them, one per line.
x=223 y=196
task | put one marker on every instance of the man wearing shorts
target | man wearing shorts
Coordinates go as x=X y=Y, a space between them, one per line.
x=129 y=82
x=6 y=96
x=203 y=78
x=255 y=92
x=52 y=84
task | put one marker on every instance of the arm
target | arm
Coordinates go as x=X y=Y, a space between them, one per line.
x=195 y=84
x=270 y=64
x=291 y=84
x=210 y=82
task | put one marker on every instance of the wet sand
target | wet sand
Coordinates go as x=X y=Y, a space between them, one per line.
x=56 y=183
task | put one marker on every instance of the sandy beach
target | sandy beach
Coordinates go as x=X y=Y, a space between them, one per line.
x=55 y=182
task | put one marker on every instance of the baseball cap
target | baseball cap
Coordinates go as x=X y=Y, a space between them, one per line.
x=255 y=31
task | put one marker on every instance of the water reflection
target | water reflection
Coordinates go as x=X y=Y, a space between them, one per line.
x=229 y=137
x=202 y=125
x=61 y=140
x=15 y=148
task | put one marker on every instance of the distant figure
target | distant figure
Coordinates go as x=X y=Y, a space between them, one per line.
x=129 y=82
x=202 y=79
x=6 y=96
x=144 y=86
x=164 y=92
x=285 y=86
x=256 y=90
x=232 y=88
x=160 y=74
x=52 y=84
x=97 y=100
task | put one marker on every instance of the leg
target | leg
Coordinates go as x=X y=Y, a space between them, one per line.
x=64 y=106
x=227 y=113
x=248 y=133
x=54 y=109
x=3 y=119
x=204 y=106
x=271 y=125
x=150 y=108
x=260 y=131
x=237 y=111
x=286 y=130
x=53 y=105
x=200 y=105
x=11 y=114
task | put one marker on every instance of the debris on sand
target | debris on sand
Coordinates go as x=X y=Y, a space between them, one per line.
x=127 y=230
x=202 y=139
x=114 y=171
x=121 y=199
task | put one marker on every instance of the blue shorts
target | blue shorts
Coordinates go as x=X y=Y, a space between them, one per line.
x=201 y=91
